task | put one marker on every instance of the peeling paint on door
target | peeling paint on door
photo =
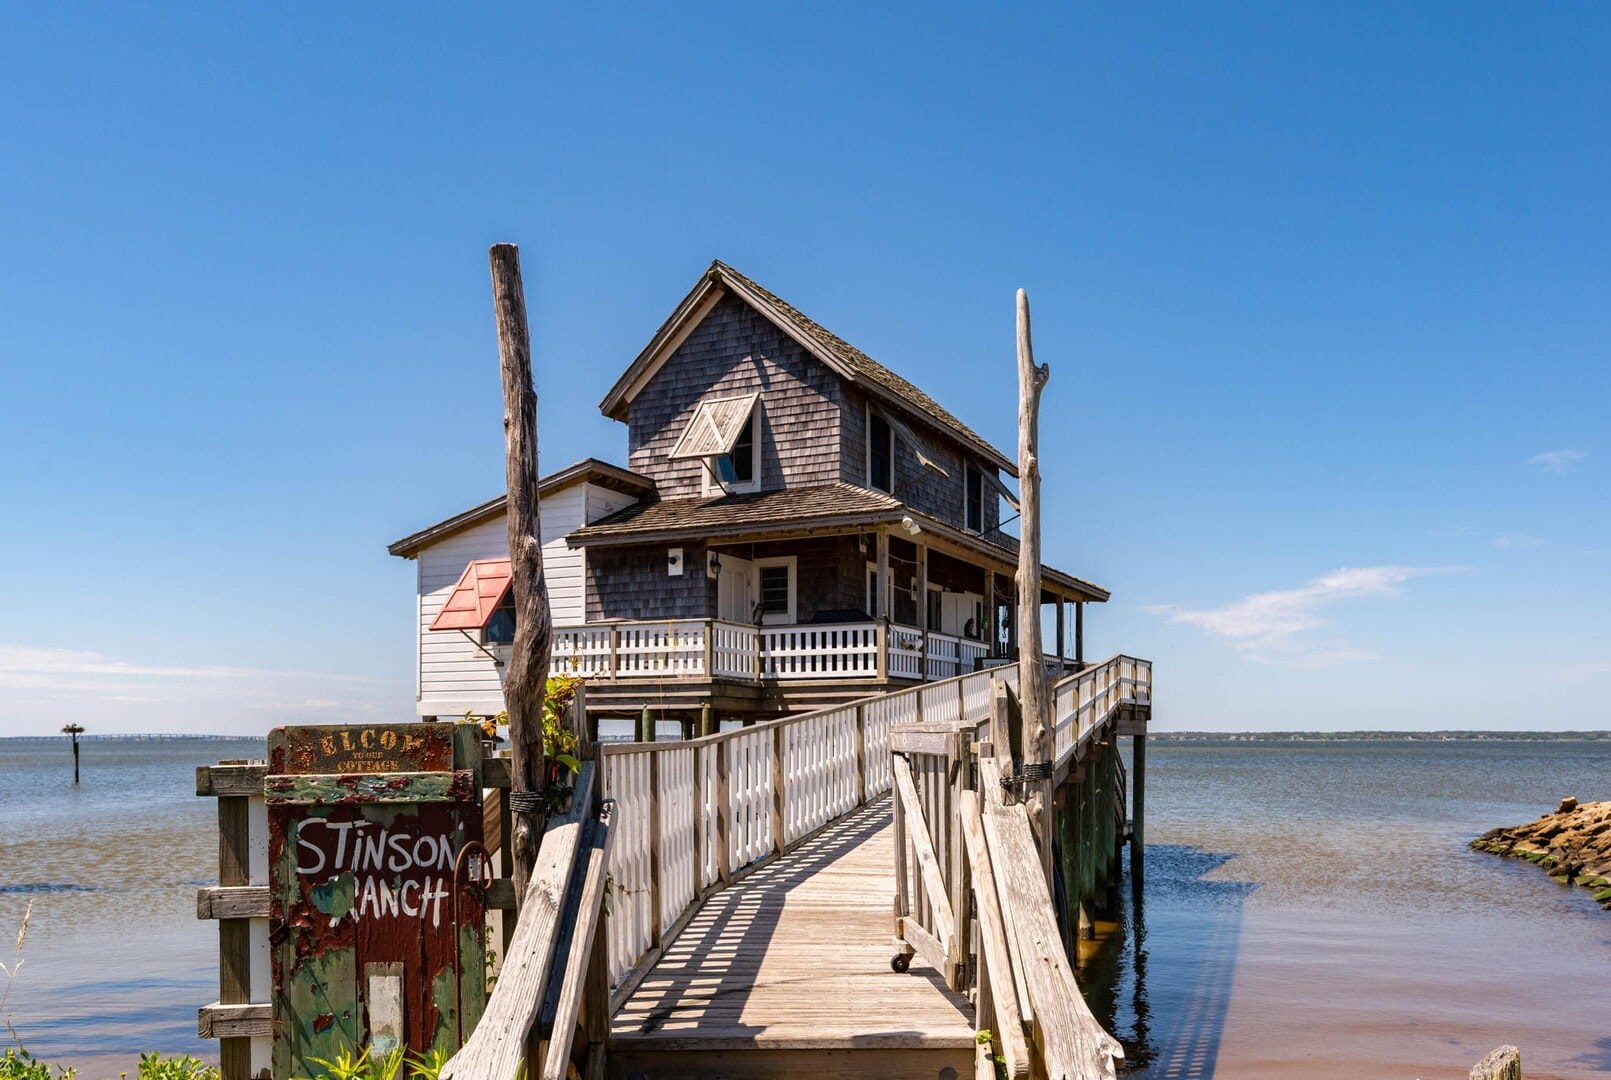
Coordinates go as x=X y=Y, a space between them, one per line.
x=365 y=825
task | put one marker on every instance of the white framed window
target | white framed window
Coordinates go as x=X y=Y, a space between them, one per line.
x=880 y=453
x=738 y=470
x=973 y=497
x=775 y=580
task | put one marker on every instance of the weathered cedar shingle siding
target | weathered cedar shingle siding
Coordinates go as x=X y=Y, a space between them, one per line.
x=632 y=583
x=920 y=488
x=735 y=350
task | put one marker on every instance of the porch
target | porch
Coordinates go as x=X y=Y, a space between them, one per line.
x=716 y=649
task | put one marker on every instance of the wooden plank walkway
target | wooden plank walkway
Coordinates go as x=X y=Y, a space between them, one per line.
x=787 y=972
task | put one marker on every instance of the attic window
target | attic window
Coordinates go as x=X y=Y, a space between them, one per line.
x=724 y=432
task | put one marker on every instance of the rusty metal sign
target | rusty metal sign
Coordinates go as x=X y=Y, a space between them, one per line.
x=376 y=941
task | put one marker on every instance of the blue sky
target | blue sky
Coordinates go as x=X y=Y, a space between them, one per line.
x=1322 y=290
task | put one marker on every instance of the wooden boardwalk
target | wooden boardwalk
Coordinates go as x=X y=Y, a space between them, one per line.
x=787 y=972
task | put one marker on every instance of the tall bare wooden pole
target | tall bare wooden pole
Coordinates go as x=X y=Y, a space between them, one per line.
x=527 y=678
x=1033 y=692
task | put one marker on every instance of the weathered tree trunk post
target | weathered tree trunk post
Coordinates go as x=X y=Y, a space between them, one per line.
x=1034 y=695
x=526 y=681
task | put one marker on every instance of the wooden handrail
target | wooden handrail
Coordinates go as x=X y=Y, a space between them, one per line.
x=994 y=959
x=589 y=913
x=1021 y=979
x=497 y=1046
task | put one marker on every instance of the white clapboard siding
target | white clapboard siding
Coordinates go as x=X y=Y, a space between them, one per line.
x=454 y=674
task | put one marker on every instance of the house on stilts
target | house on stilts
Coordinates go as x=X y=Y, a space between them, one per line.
x=796 y=526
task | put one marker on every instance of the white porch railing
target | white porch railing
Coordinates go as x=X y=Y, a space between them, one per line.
x=706 y=648
x=691 y=815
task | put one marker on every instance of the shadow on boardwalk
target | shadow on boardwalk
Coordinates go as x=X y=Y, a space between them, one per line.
x=797 y=947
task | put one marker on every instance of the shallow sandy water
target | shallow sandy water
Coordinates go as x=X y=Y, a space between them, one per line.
x=1311 y=910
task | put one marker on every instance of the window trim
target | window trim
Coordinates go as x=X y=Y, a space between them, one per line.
x=710 y=481
x=869 y=414
x=792 y=564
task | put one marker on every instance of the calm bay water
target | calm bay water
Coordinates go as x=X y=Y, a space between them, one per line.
x=1311 y=909
x=116 y=961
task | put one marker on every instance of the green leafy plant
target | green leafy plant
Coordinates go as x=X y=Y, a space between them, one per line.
x=560 y=743
x=428 y=1066
x=157 y=1067
x=19 y=1064
x=393 y=1066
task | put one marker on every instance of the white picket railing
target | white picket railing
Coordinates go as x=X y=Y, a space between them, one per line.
x=835 y=651
x=705 y=648
x=1083 y=700
x=905 y=652
x=692 y=814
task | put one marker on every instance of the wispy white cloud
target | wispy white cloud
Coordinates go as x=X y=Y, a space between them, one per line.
x=1557 y=461
x=1517 y=540
x=38 y=685
x=1272 y=627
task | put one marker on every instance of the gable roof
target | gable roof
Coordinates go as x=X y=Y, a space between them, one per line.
x=590 y=470
x=848 y=361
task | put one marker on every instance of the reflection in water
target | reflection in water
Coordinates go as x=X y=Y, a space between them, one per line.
x=1171 y=1028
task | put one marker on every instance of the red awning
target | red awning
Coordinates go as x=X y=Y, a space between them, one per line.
x=480 y=590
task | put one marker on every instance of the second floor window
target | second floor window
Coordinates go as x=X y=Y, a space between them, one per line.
x=737 y=467
x=880 y=454
x=973 y=484
x=724 y=435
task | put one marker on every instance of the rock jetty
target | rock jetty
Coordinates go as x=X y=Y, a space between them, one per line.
x=1572 y=845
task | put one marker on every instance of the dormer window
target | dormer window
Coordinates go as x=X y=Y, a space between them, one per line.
x=724 y=434
x=880 y=454
x=973 y=488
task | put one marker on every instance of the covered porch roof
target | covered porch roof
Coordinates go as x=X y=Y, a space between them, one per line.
x=823 y=510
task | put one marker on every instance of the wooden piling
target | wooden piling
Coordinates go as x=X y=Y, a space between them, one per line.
x=707 y=720
x=1100 y=796
x=646 y=725
x=234 y=935
x=1138 y=808
x=75 y=730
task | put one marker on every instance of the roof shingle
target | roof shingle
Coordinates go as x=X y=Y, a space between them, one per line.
x=738 y=513
x=862 y=364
